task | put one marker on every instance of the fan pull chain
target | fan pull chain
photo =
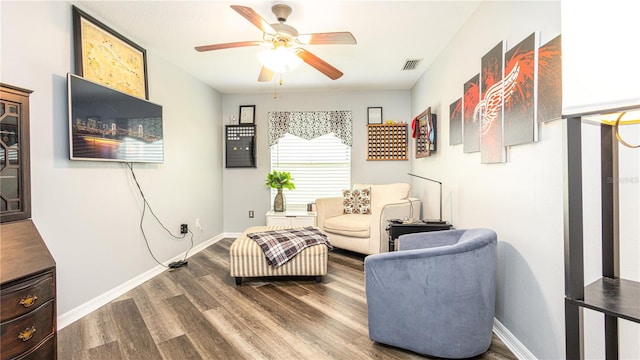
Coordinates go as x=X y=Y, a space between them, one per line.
x=280 y=82
x=275 y=92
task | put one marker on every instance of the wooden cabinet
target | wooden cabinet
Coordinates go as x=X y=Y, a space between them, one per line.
x=15 y=202
x=27 y=269
x=27 y=294
x=291 y=218
x=611 y=295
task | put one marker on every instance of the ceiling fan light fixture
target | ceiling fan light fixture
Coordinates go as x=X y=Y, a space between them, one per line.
x=285 y=51
x=279 y=60
x=281 y=11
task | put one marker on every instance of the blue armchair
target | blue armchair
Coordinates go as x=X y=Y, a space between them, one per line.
x=436 y=294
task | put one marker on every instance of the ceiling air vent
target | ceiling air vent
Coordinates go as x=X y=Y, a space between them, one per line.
x=411 y=64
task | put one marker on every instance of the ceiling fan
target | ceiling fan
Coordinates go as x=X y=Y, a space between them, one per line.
x=284 y=38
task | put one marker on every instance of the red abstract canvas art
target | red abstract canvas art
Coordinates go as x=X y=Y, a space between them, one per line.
x=519 y=103
x=470 y=125
x=455 y=122
x=490 y=108
x=550 y=80
x=502 y=106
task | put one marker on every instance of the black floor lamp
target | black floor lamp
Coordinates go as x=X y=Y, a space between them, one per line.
x=439 y=221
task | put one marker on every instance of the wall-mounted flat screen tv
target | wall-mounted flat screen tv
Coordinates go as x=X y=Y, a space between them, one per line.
x=109 y=125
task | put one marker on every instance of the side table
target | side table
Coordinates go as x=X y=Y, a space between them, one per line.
x=291 y=218
x=397 y=229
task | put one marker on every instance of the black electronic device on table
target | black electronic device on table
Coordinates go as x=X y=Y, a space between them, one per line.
x=396 y=229
x=436 y=222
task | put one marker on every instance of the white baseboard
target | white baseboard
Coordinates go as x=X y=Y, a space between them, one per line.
x=230 y=235
x=80 y=311
x=511 y=342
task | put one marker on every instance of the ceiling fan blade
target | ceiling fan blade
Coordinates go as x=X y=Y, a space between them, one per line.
x=255 y=18
x=320 y=65
x=330 y=38
x=265 y=75
x=228 y=45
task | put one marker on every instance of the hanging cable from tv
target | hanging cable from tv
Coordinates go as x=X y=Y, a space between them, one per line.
x=145 y=205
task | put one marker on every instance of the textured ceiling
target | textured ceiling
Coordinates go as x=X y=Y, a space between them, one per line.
x=388 y=33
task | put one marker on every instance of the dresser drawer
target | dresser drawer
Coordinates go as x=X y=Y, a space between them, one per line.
x=21 y=298
x=26 y=332
x=46 y=351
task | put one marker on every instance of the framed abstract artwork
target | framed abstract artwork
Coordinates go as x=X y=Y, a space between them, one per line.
x=247 y=114
x=374 y=115
x=108 y=58
x=425 y=133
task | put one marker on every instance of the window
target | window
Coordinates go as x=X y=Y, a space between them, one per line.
x=320 y=167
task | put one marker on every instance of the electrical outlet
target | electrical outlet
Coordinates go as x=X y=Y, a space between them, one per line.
x=198 y=226
x=250 y=214
x=184 y=228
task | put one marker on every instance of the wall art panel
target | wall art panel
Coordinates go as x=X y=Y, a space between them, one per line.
x=490 y=107
x=470 y=125
x=519 y=102
x=455 y=122
x=550 y=80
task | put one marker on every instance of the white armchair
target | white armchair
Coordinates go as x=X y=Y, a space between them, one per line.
x=366 y=234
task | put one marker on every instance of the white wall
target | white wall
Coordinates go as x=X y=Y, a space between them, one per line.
x=604 y=70
x=88 y=212
x=521 y=199
x=245 y=186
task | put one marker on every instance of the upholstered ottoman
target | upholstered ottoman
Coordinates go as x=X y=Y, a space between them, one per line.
x=248 y=260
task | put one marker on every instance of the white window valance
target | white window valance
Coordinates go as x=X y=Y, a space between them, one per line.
x=310 y=125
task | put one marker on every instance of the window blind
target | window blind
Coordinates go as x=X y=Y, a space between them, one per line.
x=320 y=167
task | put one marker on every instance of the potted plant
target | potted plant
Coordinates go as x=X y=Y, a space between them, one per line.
x=279 y=180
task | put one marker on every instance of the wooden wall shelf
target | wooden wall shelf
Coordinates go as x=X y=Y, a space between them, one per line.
x=387 y=142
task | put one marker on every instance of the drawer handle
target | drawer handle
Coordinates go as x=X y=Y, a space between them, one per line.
x=27 y=333
x=28 y=301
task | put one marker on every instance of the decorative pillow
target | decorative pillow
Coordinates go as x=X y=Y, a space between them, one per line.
x=356 y=201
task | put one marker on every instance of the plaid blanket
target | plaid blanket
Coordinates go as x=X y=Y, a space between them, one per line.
x=280 y=246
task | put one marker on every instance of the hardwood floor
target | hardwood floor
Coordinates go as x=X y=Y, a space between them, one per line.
x=197 y=312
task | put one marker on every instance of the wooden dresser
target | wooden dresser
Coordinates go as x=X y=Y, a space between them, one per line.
x=27 y=294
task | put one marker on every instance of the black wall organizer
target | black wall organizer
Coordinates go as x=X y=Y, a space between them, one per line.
x=240 y=141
